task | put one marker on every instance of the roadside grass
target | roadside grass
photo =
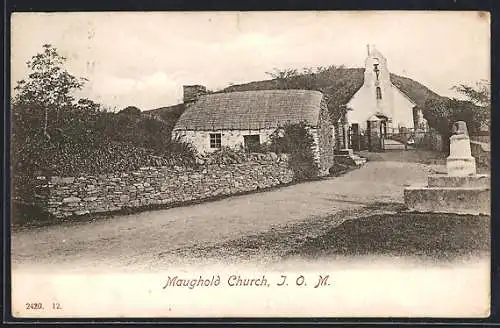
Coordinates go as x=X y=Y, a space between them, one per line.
x=376 y=230
x=428 y=235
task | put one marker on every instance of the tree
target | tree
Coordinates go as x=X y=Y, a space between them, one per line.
x=442 y=113
x=89 y=106
x=480 y=95
x=438 y=113
x=49 y=86
x=284 y=76
x=130 y=110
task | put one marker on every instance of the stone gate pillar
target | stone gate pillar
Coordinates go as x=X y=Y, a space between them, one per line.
x=374 y=134
x=343 y=144
x=355 y=139
x=403 y=131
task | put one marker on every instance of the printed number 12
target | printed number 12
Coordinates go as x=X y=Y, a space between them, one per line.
x=56 y=306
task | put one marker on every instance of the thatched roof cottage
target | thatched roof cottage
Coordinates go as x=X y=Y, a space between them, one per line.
x=248 y=118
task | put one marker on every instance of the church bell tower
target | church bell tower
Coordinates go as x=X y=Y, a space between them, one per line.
x=377 y=79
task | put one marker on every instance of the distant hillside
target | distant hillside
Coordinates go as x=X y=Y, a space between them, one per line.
x=414 y=90
x=169 y=114
x=339 y=84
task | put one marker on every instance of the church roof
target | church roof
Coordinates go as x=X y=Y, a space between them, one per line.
x=404 y=94
x=374 y=118
x=251 y=110
x=374 y=52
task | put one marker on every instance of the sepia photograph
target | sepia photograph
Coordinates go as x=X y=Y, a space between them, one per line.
x=250 y=164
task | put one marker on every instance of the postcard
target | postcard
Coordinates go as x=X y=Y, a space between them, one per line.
x=250 y=164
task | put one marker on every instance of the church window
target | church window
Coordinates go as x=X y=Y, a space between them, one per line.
x=376 y=70
x=379 y=93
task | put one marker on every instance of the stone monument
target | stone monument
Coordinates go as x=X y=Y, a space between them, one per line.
x=460 y=190
x=460 y=162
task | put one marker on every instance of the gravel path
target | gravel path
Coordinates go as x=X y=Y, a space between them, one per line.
x=141 y=239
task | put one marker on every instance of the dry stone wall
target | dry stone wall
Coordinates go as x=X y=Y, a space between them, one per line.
x=482 y=152
x=68 y=196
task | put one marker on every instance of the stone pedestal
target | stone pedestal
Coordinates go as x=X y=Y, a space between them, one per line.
x=451 y=194
x=460 y=190
x=443 y=180
x=460 y=162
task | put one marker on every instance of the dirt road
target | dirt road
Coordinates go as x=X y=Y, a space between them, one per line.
x=138 y=239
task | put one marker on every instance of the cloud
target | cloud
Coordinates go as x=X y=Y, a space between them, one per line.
x=145 y=58
x=146 y=92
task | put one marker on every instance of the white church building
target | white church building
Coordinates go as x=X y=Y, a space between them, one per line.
x=378 y=98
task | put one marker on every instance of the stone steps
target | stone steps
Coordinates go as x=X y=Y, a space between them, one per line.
x=471 y=181
x=358 y=160
x=475 y=200
x=351 y=160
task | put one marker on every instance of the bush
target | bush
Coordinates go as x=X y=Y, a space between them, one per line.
x=262 y=148
x=179 y=151
x=226 y=155
x=86 y=142
x=130 y=110
x=295 y=139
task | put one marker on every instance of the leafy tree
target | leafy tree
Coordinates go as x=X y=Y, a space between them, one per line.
x=89 y=106
x=480 y=95
x=49 y=86
x=81 y=136
x=130 y=110
x=283 y=76
x=442 y=113
x=438 y=113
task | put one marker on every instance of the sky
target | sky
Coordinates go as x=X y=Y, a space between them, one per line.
x=144 y=58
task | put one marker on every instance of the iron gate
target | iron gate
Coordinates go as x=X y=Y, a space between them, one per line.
x=395 y=140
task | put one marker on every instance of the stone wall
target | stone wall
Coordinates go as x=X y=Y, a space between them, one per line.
x=436 y=142
x=482 y=152
x=430 y=140
x=67 y=196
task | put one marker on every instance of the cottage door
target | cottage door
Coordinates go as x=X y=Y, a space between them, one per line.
x=251 y=142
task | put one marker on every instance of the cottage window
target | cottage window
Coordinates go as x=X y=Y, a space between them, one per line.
x=379 y=93
x=215 y=140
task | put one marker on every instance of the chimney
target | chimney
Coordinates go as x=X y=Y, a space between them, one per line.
x=191 y=93
x=368 y=49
